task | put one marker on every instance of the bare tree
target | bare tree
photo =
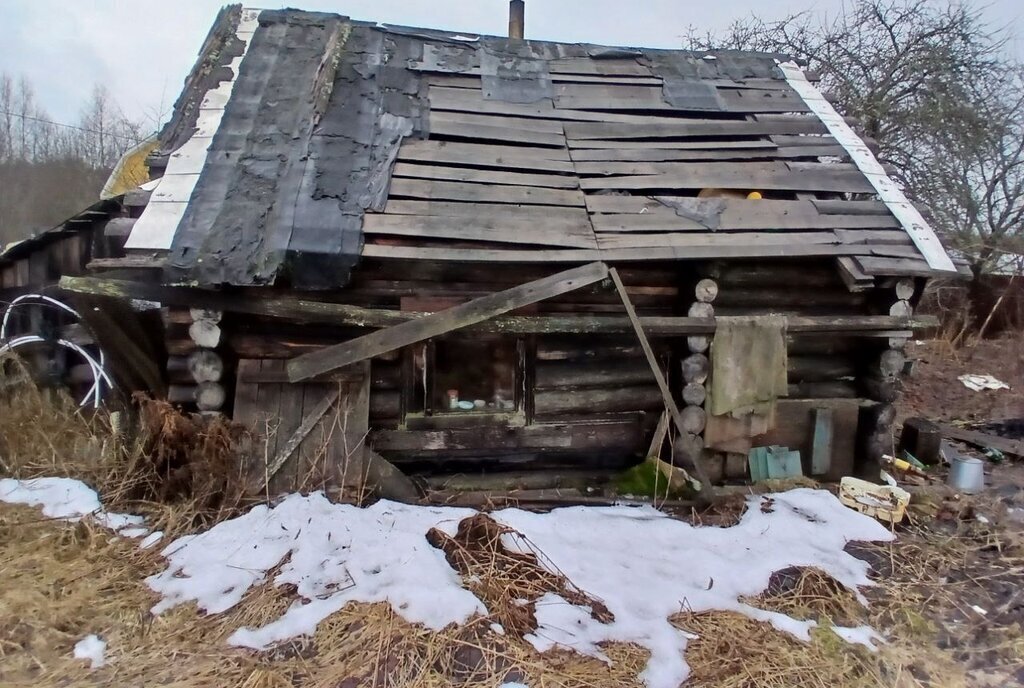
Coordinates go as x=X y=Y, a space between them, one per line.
x=933 y=85
x=50 y=170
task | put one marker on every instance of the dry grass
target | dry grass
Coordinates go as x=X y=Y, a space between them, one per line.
x=63 y=581
x=180 y=471
x=509 y=583
x=60 y=582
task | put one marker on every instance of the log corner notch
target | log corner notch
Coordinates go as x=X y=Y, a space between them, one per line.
x=442 y=322
x=707 y=491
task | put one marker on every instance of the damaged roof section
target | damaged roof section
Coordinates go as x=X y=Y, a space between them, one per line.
x=318 y=140
x=302 y=151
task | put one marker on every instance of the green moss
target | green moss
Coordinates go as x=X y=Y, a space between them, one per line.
x=645 y=480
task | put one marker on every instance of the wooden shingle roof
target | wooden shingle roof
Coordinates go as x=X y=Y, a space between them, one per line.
x=328 y=139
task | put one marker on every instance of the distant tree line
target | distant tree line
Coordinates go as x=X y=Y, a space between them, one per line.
x=935 y=86
x=49 y=170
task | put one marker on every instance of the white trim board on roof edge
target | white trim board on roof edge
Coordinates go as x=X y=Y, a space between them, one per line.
x=915 y=225
x=156 y=226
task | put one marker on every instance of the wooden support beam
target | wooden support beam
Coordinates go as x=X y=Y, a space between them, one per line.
x=436 y=324
x=708 y=491
x=259 y=302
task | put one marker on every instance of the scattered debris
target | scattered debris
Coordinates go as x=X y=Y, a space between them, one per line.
x=774 y=463
x=967 y=474
x=884 y=502
x=982 y=382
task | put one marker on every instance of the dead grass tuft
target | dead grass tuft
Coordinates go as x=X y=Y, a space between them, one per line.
x=508 y=582
x=181 y=471
x=60 y=582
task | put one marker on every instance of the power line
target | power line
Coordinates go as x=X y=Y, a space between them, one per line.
x=71 y=126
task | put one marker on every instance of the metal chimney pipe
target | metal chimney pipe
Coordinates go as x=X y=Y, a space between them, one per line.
x=516 y=19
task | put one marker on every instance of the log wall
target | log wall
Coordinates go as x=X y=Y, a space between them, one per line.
x=590 y=400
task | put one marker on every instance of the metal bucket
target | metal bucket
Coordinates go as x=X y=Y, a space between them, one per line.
x=967 y=474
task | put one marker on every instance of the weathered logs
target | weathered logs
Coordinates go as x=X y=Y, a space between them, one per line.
x=834 y=389
x=694 y=419
x=205 y=333
x=205 y=366
x=210 y=396
x=696 y=368
x=901 y=309
x=552 y=375
x=891 y=362
x=706 y=290
x=700 y=309
x=698 y=343
x=636 y=398
x=694 y=394
x=181 y=394
x=904 y=289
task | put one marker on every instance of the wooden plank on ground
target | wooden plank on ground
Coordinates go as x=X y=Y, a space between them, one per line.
x=707 y=490
x=505 y=230
x=463 y=191
x=477 y=310
x=982 y=439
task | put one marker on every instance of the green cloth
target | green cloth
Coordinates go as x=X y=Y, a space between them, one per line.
x=748 y=365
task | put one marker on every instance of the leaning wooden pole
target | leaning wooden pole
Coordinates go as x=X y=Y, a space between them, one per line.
x=707 y=491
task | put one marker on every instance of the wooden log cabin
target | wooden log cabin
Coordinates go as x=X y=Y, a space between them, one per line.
x=479 y=254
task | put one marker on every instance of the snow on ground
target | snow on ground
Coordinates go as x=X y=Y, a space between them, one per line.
x=68 y=500
x=863 y=635
x=644 y=565
x=91 y=647
x=334 y=554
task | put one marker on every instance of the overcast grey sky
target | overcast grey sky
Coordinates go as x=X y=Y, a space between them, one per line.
x=142 y=49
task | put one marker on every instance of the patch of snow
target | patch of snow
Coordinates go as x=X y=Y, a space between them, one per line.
x=861 y=635
x=981 y=519
x=644 y=565
x=981 y=382
x=151 y=539
x=91 y=647
x=980 y=610
x=498 y=628
x=513 y=684
x=68 y=500
x=335 y=554
x=62 y=498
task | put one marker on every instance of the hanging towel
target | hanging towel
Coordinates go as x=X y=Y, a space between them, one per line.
x=748 y=366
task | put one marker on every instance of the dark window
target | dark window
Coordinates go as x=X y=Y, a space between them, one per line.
x=474 y=375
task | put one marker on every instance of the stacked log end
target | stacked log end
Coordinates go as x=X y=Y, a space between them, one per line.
x=882 y=381
x=195 y=370
x=695 y=369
